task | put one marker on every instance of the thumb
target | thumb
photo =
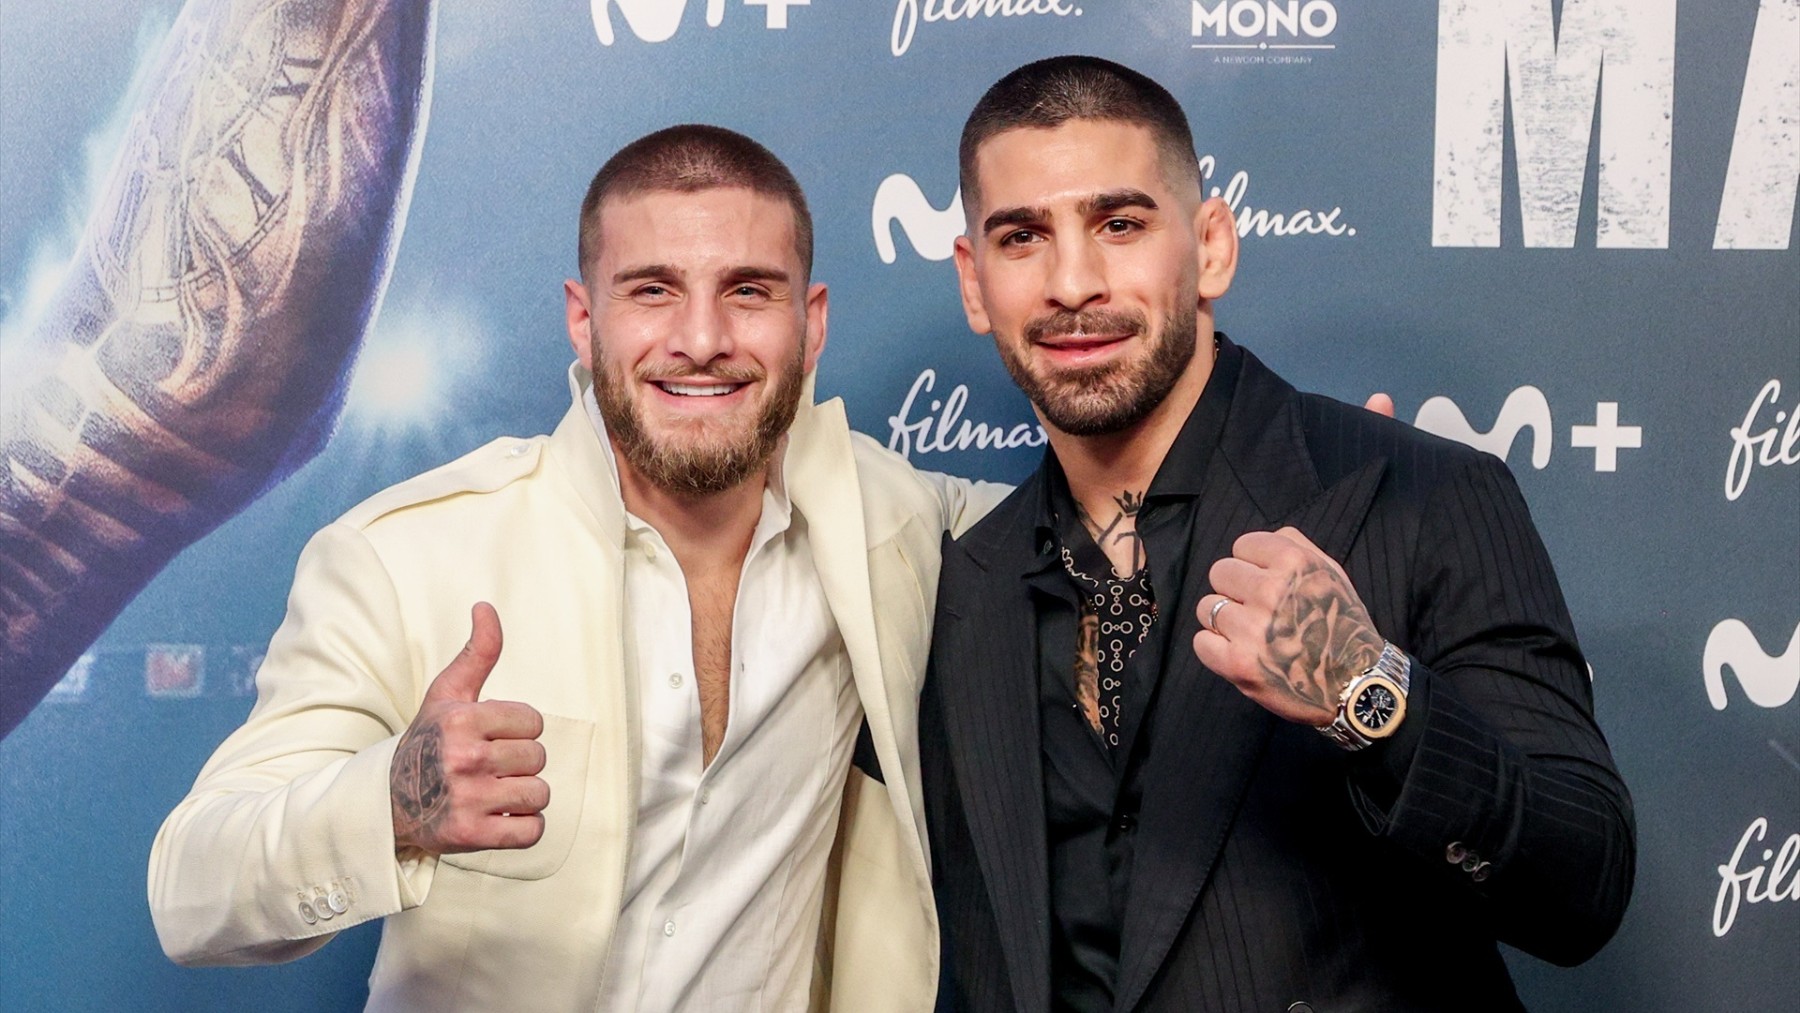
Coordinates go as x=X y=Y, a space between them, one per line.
x=1380 y=404
x=463 y=678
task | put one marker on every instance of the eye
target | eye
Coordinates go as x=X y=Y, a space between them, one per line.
x=1121 y=226
x=748 y=291
x=1018 y=237
x=654 y=291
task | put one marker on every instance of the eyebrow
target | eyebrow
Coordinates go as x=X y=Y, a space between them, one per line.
x=744 y=272
x=1006 y=217
x=644 y=272
x=1100 y=203
x=1114 y=200
x=749 y=272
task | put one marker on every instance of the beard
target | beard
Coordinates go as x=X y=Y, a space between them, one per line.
x=693 y=459
x=1110 y=397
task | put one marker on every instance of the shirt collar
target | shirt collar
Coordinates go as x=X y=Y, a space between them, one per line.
x=777 y=508
x=1183 y=470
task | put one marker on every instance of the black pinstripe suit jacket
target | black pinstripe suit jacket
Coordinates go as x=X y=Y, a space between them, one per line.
x=1270 y=867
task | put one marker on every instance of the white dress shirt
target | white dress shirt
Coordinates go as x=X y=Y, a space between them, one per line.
x=725 y=883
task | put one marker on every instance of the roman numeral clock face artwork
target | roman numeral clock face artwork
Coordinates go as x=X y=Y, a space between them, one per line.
x=234 y=169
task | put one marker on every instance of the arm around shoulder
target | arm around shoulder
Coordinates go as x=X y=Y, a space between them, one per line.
x=287 y=835
x=965 y=501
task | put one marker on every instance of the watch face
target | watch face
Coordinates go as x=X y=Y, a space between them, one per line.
x=1377 y=709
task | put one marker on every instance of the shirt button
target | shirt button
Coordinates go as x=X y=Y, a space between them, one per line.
x=649 y=551
x=1479 y=873
x=307 y=914
x=1126 y=823
x=1455 y=853
x=321 y=909
x=674 y=680
x=705 y=795
x=518 y=450
x=337 y=901
x=669 y=928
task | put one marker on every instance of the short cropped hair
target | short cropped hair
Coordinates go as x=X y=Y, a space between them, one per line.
x=1048 y=93
x=688 y=159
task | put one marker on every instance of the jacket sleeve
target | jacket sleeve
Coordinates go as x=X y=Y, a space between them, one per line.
x=965 y=502
x=1500 y=776
x=287 y=836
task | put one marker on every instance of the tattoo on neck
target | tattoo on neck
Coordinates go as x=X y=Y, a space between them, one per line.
x=1319 y=638
x=1119 y=532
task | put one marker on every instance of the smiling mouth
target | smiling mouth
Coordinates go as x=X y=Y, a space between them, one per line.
x=1081 y=341
x=698 y=389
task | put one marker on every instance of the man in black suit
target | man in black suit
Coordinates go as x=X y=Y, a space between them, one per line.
x=1247 y=699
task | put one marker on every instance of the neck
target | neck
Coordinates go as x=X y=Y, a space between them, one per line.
x=704 y=531
x=1102 y=468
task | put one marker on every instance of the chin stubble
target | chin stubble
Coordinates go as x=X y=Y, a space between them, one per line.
x=695 y=467
x=1111 y=397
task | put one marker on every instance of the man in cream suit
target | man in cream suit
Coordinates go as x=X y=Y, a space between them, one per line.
x=642 y=794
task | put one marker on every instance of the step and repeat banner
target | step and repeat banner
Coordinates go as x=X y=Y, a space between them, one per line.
x=261 y=258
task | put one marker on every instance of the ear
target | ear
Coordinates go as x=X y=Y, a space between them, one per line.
x=970 y=284
x=818 y=314
x=580 y=318
x=1218 y=236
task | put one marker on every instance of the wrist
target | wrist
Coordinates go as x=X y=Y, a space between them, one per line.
x=1372 y=705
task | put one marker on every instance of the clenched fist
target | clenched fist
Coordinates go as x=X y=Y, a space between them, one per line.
x=464 y=776
x=1285 y=626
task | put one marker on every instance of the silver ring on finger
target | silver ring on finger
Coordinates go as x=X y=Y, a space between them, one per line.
x=1212 y=618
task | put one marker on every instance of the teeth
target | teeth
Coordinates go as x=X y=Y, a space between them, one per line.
x=699 y=390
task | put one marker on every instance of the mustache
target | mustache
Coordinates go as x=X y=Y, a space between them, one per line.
x=1096 y=321
x=688 y=371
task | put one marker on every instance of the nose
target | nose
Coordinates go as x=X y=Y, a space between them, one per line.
x=704 y=334
x=1077 y=274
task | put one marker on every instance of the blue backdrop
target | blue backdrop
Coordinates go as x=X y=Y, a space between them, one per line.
x=1561 y=231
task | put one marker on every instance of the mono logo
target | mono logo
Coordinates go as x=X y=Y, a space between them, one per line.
x=1264 y=20
x=1767 y=680
x=658 y=20
x=1525 y=408
x=932 y=232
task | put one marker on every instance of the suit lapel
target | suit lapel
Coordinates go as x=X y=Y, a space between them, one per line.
x=1208 y=737
x=821 y=473
x=990 y=713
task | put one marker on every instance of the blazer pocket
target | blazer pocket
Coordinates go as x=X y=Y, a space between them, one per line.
x=567 y=745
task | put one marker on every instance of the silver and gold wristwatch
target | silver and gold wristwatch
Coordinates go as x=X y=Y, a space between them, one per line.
x=1373 y=704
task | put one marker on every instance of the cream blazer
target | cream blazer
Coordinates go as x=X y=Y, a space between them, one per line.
x=287 y=835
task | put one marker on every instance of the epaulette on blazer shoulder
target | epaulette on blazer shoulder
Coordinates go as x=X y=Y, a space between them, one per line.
x=486 y=469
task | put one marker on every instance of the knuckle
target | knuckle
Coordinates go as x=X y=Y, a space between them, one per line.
x=464 y=755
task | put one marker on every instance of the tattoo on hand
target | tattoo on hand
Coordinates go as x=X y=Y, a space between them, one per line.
x=1319 y=638
x=1087 y=667
x=1120 y=531
x=416 y=782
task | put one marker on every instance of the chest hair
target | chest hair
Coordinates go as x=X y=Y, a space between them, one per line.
x=712 y=601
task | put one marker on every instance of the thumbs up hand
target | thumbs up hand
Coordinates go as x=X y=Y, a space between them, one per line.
x=463 y=777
